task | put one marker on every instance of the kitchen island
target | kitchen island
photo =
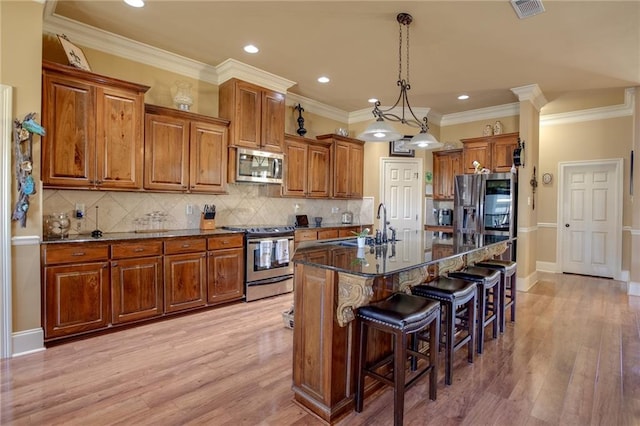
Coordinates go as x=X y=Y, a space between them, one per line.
x=333 y=278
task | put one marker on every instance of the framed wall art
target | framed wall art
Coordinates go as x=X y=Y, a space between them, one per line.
x=398 y=148
x=74 y=54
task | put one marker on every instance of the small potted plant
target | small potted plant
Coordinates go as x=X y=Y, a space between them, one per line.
x=362 y=236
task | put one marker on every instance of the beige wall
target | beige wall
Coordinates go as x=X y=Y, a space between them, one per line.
x=21 y=29
x=473 y=129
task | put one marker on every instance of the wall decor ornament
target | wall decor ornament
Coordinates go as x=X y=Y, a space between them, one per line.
x=488 y=130
x=301 y=130
x=497 y=128
x=23 y=146
x=75 y=56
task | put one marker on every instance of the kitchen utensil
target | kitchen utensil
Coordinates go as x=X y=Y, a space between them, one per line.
x=209 y=211
x=347 y=218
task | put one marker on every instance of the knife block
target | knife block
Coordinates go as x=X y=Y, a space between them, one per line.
x=207 y=224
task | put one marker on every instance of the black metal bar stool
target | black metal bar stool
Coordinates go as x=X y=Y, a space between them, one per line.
x=488 y=298
x=508 y=275
x=455 y=296
x=406 y=318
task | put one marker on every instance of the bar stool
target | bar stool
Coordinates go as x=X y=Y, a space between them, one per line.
x=488 y=285
x=455 y=296
x=507 y=270
x=405 y=317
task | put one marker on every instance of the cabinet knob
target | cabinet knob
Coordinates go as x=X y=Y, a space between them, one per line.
x=138 y=250
x=78 y=253
x=186 y=245
x=114 y=264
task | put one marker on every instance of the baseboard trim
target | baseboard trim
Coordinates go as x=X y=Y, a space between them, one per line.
x=28 y=341
x=633 y=289
x=547 y=267
x=525 y=283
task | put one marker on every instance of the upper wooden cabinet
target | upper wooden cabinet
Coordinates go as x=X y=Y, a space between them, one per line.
x=307 y=168
x=256 y=114
x=94 y=130
x=347 y=164
x=493 y=152
x=446 y=165
x=184 y=151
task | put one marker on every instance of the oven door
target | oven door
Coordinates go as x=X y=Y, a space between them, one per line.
x=267 y=259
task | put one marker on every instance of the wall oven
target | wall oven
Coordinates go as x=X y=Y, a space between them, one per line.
x=269 y=269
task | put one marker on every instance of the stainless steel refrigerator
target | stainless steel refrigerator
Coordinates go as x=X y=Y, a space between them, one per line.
x=485 y=207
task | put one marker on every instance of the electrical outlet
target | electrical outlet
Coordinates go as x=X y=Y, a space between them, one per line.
x=80 y=211
x=189 y=209
x=335 y=209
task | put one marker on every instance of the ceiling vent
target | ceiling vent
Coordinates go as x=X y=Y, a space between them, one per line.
x=527 y=8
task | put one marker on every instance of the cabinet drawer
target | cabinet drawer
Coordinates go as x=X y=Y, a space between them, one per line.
x=225 y=241
x=306 y=235
x=327 y=234
x=75 y=253
x=185 y=245
x=136 y=249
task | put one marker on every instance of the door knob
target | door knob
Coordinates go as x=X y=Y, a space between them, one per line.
x=566 y=225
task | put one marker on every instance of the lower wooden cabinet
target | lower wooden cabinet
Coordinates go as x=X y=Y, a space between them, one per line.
x=91 y=286
x=76 y=298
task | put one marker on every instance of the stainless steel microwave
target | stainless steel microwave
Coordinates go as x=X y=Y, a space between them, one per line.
x=258 y=166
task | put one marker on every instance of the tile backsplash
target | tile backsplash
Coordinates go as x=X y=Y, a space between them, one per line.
x=243 y=205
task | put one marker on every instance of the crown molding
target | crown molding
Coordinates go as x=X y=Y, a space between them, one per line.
x=317 y=108
x=232 y=68
x=499 y=111
x=592 y=114
x=532 y=93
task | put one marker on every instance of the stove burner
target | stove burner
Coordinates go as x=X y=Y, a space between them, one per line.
x=263 y=229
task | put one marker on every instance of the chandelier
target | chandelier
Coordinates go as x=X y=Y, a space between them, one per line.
x=380 y=130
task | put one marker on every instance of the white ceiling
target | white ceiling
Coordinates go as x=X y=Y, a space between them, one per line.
x=477 y=47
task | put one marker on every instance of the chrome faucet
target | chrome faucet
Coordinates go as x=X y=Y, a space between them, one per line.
x=384 y=221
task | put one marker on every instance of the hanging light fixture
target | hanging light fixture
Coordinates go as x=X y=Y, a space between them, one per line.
x=380 y=130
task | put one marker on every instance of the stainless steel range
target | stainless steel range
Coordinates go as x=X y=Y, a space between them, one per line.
x=269 y=269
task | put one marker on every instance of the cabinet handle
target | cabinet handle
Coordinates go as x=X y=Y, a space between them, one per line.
x=138 y=250
x=79 y=253
x=184 y=186
x=114 y=264
x=186 y=245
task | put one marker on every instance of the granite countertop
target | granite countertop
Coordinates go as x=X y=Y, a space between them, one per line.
x=389 y=258
x=119 y=236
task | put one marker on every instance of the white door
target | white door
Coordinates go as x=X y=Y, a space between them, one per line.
x=402 y=194
x=590 y=222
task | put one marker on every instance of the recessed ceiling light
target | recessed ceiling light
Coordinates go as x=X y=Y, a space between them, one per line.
x=250 y=48
x=372 y=100
x=135 y=3
x=463 y=97
x=323 y=79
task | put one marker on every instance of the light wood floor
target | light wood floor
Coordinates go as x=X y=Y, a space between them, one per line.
x=572 y=358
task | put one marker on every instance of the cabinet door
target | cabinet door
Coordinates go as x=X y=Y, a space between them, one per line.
x=441 y=175
x=319 y=175
x=185 y=281
x=68 y=148
x=136 y=289
x=456 y=169
x=208 y=162
x=272 y=121
x=76 y=298
x=225 y=275
x=476 y=151
x=166 y=153
x=295 y=174
x=247 y=117
x=119 y=141
x=502 y=154
x=356 y=171
x=341 y=167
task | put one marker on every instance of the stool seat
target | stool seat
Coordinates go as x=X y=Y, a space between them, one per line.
x=488 y=298
x=410 y=320
x=455 y=295
x=508 y=291
x=400 y=311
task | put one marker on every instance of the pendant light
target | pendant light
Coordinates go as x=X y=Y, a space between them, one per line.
x=380 y=130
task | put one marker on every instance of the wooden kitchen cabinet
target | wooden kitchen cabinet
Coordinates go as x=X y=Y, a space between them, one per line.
x=136 y=281
x=185 y=274
x=94 y=130
x=347 y=164
x=256 y=115
x=225 y=269
x=184 y=151
x=493 y=152
x=307 y=170
x=446 y=165
x=75 y=289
